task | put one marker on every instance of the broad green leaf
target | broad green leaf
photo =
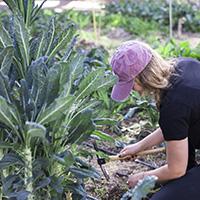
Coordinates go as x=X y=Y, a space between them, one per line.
x=35 y=130
x=103 y=136
x=9 y=181
x=84 y=173
x=69 y=49
x=37 y=45
x=83 y=163
x=76 y=66
x=22 y=39
x=6 y=145
x=41 y=163
x=76 y=189
x=5 y=39
x=37 y=72
x=19 y=66
x=26 y=101
x=103 y=97
x=94 y=81
x=20 y=195
x=65 y=79
x=86 y=104
x=41 y=44
x=37 y=81
x=5 y=90
x=10 y=159
x=66 y=159
x=70 y=71
x=81 y=126
x=42 y=183
x=8 y=115
x=105 y=121
x=89 y=84
x=53 y=86
x=49 y=36
x=106 y=82
x=6 y=58
x=62 y=41
x=57 y=109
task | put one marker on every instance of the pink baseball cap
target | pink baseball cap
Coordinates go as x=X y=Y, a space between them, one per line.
x=127 y=62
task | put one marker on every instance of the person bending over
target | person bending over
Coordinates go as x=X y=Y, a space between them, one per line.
x=175 y=86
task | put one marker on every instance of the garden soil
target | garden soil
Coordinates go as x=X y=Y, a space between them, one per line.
x=118 y=170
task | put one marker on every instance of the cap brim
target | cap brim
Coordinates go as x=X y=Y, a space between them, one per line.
x=121 y=91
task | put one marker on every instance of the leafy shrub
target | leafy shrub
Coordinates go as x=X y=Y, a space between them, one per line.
x=46 y=108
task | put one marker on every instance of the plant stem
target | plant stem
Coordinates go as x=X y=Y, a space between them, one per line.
x=4 y=173
x=28 y=172
x=1 y=188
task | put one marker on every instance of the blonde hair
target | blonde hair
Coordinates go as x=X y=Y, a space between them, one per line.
x=155 y=77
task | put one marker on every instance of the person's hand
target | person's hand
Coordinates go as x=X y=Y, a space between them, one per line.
x=129 y=150
x=133 y=179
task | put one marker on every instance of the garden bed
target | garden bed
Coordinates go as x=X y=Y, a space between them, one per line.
x=118 y=171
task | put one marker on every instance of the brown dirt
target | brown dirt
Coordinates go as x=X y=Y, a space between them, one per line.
x=119 y=171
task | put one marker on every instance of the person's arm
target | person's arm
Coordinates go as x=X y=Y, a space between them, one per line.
x=151 y=140
x=154 y=138
x=177 y=159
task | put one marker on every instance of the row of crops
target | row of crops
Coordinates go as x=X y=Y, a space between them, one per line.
x=54 y=93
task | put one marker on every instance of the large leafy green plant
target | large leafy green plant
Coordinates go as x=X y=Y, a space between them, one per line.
x=46 y=109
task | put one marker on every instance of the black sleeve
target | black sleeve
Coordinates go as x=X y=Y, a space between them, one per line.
x=174 y=120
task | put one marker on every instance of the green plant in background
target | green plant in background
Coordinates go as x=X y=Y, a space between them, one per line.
x=179 y=49
x=158 y=11
x=146 y=107
x=82 y=19
x=131 y=24
x=46 y=110
x=138 y=26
